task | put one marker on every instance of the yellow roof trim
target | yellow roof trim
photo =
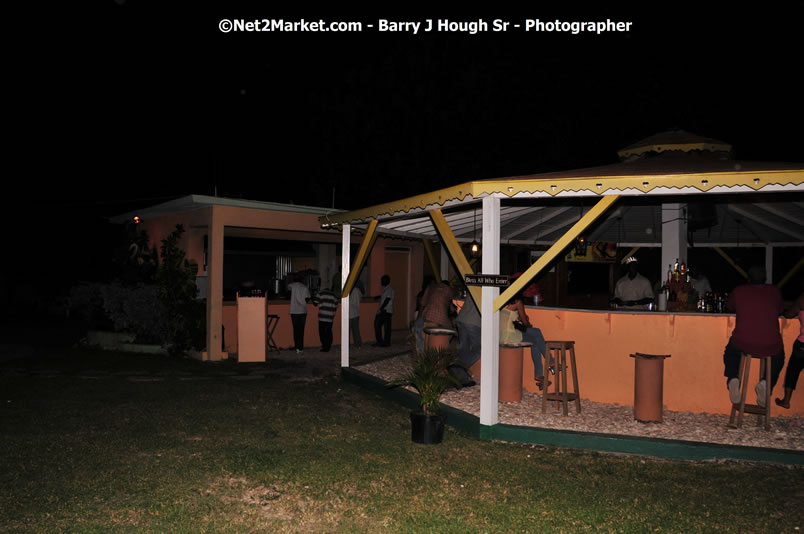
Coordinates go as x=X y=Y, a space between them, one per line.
x=643 y=183
x=597 y=185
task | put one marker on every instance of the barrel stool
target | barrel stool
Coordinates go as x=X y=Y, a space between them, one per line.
x=558 y=350
x=438 y=338
x=742 y=407
x=510 y=371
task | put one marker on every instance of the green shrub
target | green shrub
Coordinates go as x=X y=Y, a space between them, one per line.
x=166 y=313
x=185 y=319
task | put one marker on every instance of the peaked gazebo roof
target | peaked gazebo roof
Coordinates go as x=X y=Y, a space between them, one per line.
x=673 y=140
x=673 y=166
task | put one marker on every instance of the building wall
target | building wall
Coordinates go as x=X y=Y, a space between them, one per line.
x=294 y=226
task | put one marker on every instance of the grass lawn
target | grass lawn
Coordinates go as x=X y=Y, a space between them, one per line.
x=198 y=451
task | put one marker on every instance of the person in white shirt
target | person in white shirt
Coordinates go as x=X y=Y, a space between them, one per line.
x=700 y=282
x=633 y=291
x=299 y=297
x=382 y=321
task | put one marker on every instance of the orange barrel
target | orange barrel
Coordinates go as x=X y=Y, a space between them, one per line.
x=648 y=387
x=438 y=338
x=511 y=371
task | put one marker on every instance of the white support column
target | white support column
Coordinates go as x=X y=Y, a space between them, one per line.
x=346 y=246
x=768 y=264
x=490 y=321
x=215 y=281
x=674 y=236
x=444 y=267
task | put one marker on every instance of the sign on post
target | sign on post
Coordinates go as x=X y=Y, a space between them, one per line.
x=493 y=280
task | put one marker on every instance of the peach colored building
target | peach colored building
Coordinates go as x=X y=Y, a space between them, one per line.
x=235 y=241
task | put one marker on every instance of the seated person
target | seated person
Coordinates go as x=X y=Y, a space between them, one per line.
x=519 y=320
x=436 y=306
x=418 y=317
x=796 y=362
x=468 y=323
x=756 y=332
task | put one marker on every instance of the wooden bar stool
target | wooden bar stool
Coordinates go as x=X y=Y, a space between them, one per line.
x=558 y=350
x=271 y=321
x=742 y=407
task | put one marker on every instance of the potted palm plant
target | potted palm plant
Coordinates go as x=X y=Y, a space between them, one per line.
x=430 y=378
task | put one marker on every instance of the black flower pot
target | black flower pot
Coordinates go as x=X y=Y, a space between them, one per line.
x=427 y=429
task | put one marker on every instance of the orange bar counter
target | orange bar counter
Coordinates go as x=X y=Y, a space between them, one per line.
x=283 y=336
x=693 y=376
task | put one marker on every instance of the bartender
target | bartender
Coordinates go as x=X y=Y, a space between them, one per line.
x=633 y=291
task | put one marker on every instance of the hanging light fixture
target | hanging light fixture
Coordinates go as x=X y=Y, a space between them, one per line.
x=580 y=242
x=580 y=246
x=474 y=248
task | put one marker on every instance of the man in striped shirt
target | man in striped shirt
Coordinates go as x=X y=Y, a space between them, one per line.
x=327 y=306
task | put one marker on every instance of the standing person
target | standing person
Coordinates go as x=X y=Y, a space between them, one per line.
x=299 y=297
x=327 y=306
x=796 y=361
x=354 y=313
x=384 y=313
x=756 y=332
x=633 y=291
x=700 y=282
x=468 y=323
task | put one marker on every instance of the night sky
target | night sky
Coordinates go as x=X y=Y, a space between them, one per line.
x=126 y=105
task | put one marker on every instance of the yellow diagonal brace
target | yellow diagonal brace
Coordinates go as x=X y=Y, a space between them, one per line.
x=454 y=250
x=360 y=260
x=553 y=252
x=731 y=262
x=789 y=275
x=428 y=248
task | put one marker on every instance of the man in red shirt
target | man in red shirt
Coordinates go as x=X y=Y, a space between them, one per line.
x=756 y=332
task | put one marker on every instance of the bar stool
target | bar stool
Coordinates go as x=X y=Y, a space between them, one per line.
x=559 y=349
x=742 y=407
x=271 y=322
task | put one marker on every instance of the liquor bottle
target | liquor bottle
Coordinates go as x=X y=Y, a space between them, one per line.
x=708 y=302
x=683 y=271
x=669 y=273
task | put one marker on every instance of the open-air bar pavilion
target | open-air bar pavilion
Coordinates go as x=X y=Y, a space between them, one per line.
x=656 y=197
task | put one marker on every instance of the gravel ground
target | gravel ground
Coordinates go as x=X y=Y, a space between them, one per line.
x=785 y=432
